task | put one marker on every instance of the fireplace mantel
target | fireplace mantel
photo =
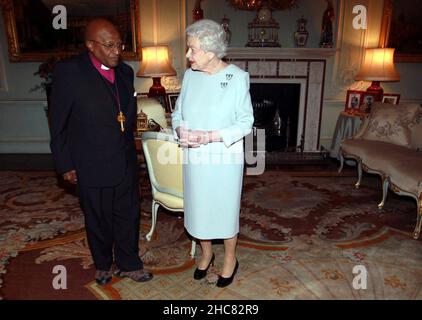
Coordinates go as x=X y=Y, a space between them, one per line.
x=280 y=53
x=305 y=66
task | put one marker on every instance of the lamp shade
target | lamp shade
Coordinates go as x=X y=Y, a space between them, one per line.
x=155 y=62
x=378 y=65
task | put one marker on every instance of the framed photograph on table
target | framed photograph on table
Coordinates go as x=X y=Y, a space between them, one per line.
x=353 y=101
x=392 y=98
x=172 y=97
x=368 y=100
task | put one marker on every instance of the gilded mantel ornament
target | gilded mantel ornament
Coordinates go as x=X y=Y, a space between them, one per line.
x=263 y=30
x=256 y=4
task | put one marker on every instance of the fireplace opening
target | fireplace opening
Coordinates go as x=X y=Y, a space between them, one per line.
x=276 y=109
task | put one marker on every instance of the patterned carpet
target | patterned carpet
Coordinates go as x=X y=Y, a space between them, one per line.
x=302 y=234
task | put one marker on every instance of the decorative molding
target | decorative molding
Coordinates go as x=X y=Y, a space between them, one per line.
x=24 y=139
x=314 y=104
x=3 y=79
x=26 y=103
x=350 y=45
x=280 y=53
x=347 y=71
x=386 y=22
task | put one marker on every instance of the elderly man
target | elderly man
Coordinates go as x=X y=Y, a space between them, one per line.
x=93 y=109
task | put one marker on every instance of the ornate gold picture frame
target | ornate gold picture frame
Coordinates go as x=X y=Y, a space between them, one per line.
x=404 y=26
x=31 y=36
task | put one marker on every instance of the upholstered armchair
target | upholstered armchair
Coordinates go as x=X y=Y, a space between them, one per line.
x=164 y=161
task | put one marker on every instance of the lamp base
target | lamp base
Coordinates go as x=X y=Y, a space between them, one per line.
x=156 y=89
x=159 y=92
x=376 y=90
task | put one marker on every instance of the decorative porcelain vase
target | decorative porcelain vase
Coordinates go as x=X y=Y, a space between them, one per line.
x=301 y=35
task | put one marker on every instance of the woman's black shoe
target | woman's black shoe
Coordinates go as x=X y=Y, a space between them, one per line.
x=224 y=282
x=199 y=274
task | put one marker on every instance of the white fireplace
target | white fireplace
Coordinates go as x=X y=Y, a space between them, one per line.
x=291 y=65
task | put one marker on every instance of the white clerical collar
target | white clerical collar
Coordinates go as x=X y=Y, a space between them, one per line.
x=104 y=67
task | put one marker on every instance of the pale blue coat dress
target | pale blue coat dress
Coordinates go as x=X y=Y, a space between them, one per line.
x=213 y=173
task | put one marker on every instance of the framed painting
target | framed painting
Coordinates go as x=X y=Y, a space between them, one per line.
x=31 y=35
x=402 y=29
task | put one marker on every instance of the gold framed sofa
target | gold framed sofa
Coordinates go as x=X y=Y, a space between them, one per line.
x=389 y=143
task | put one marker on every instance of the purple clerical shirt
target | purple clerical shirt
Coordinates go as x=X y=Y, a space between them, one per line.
x=106 y=72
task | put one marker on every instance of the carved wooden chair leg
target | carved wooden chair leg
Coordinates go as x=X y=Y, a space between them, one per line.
x=385 y=184
x=341 y=162
x=154 y=212
x=357 y=185
x=419 y=219
x=193 y=249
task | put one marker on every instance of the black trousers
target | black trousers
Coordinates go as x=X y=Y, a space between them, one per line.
x=112 y=220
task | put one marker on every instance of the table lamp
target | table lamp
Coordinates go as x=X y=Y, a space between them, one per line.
x=155 y=64
x=377 y=66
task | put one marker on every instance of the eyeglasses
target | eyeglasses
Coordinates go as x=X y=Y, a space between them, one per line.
x=110 y=46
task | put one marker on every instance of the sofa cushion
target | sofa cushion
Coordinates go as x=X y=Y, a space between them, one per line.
x=374 y=154
x=401 y=164
x=390 y=123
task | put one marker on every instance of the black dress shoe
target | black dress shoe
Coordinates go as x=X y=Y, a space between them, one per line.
x=224 y=282
x=103 y=277
x=199 y=274
x=138 y=275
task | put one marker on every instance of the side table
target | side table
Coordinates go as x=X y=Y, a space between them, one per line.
x=347 y=125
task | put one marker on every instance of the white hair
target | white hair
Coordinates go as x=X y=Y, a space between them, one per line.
x=211 y=36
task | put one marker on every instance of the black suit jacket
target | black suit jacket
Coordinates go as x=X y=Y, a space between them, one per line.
x=85 y=133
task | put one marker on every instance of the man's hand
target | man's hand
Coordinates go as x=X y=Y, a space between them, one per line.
x=70 y=176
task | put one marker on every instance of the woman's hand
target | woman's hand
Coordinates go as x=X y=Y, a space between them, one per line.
x=187 y=138
x=196 y=138
x=199 y=136
x=205 y=137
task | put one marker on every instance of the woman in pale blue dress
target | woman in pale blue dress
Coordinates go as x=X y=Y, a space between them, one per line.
x=213 y=113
